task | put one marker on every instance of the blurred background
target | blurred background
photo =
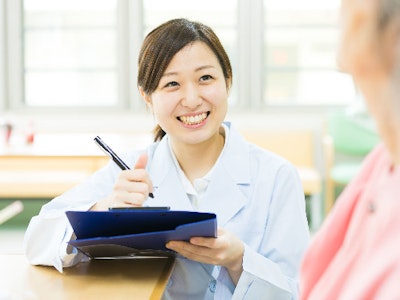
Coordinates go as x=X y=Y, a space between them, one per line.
x=68 y=73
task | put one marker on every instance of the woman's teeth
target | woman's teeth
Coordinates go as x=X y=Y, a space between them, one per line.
x=193 y=120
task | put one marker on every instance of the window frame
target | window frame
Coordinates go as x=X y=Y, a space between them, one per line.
x=249 y=75
x=126 y=53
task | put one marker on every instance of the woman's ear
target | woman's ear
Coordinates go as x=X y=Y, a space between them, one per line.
x=228 y=82
x=145 y=97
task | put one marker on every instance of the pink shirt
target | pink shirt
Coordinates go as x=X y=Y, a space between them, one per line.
x=356 y=253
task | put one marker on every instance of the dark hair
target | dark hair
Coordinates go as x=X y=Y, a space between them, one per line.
x=388 y=10
x=161 y=45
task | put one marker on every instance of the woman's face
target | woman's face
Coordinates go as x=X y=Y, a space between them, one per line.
x=191 y=99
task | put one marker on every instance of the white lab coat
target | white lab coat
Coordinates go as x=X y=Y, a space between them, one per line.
x=255 y=194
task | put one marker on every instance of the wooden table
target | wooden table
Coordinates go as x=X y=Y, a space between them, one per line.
x=140 y=278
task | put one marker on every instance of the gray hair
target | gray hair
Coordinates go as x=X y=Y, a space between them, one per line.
x=388 y=11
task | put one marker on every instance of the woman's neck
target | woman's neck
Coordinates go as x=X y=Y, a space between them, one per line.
x=196 y=160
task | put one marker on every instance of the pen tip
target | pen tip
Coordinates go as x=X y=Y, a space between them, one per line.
x=151 y=195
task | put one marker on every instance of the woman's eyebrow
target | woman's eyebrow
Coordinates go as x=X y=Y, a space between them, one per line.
x=205 y=67
x=169 y=74
x=173 y=73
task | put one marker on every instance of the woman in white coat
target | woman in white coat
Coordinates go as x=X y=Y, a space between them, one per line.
x=197 y=162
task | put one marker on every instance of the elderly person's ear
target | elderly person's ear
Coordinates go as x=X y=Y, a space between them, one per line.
x=358 y=18
x=391 y=43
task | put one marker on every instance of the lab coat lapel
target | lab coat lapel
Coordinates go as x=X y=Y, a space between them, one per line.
x=168 y=189
x=227 y=192
x=223 y=197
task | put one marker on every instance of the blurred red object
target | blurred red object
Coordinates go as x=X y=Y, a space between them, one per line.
x=30 y=134
x=9 y=129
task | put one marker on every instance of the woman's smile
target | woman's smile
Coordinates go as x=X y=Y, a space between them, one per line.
x=193 y=119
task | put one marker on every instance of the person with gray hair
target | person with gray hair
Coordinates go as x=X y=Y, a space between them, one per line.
x=356 y=253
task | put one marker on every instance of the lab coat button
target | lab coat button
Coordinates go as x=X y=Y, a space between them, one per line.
x=212 y=285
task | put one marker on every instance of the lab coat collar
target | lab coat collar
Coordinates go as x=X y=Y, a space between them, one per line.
x=226 y=193
x=166 y=181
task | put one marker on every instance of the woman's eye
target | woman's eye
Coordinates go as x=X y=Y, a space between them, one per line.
x=171 y=84
x=205 y=77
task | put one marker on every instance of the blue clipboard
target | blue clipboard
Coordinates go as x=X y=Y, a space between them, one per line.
x=136 y=232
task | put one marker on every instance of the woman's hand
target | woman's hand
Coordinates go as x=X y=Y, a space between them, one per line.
x=132 y=188
x=226 y=250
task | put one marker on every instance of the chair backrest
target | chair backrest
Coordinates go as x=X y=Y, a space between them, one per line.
x=350 y=136
x=297 y=146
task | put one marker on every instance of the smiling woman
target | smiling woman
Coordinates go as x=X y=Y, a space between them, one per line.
x=198 y=162
x=182 y=77
x=192 y=109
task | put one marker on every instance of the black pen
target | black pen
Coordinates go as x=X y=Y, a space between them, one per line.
x=113 y=156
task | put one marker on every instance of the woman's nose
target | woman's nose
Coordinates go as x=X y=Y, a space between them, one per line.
x=191 y=97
